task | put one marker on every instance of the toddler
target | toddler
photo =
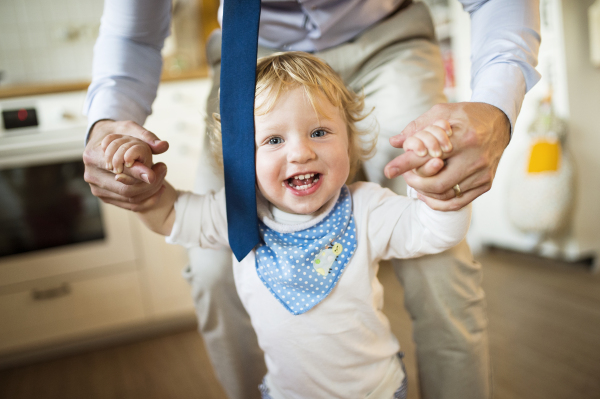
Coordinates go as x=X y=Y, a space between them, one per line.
x=310 y=286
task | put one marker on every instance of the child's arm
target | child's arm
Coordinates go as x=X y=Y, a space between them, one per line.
x=442 y=229
x=122 y=151
x=403 y=228
x=160 y=216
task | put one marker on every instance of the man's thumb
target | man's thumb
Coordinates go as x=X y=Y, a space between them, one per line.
x=157 y=145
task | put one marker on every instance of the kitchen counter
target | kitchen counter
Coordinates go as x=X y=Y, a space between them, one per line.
x=62 y=87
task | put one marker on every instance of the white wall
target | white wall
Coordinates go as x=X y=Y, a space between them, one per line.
x=583 y=84
x=47 y=40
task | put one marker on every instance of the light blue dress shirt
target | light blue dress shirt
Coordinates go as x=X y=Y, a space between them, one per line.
x=127 y=63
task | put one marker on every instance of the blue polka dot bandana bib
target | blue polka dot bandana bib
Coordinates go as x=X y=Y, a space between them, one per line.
x=301 y=268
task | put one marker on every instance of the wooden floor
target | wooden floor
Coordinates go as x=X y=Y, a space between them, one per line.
x=544 y=332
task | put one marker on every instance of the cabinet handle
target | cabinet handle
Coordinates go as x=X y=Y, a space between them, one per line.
x=51 y=293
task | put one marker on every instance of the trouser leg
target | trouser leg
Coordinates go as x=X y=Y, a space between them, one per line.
x=222 y=320
x=444 y=297
x=401 y=79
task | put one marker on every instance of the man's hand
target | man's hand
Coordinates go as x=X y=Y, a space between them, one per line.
x=138 y=186
x=480 y=133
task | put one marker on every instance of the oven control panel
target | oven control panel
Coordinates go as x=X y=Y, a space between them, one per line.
x=38 y=129
x=17 y=118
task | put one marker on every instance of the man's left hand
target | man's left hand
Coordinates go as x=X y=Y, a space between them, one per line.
x=480 y=133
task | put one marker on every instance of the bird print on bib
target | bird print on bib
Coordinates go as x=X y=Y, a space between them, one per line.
x=301 y=268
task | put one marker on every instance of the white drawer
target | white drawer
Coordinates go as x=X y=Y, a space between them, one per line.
x=117 y=247
x=64 y=310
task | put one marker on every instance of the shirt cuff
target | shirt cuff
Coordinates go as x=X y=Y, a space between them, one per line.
x=188 y=207
x=503 y=86
x=411 y=192
x=116 y=106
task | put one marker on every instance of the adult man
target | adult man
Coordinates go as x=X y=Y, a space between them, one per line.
x=387 y=48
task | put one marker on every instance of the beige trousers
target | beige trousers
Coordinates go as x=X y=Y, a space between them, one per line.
x=398 y=65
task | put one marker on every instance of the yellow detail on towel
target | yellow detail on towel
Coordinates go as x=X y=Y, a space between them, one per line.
x=545 y=156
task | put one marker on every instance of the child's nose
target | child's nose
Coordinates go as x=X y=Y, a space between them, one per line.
x=301 y=152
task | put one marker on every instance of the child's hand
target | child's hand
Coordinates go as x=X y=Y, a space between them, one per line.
x=433 y=140
x=122 y=151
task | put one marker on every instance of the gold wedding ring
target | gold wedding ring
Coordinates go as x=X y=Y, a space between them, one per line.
x=457 y=191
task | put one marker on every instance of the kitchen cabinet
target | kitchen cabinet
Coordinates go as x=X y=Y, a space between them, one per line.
x=129 y=284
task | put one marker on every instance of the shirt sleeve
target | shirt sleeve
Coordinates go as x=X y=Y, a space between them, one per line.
x=403 y=227
x=200 y=220
x=505 y=40
x=127 y=60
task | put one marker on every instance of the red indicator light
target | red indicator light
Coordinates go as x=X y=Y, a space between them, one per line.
x=22 y=114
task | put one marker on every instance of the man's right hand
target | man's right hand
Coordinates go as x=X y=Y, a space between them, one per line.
x=137 y=188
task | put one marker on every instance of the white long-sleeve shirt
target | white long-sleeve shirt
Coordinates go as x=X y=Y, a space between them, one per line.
x=344 y=346
x=127 y=61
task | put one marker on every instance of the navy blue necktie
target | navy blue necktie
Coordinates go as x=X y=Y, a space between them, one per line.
x=238 y=80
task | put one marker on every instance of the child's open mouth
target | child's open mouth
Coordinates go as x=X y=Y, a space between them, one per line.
x=303 y=183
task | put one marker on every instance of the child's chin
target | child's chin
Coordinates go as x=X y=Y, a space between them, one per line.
x=306 y=210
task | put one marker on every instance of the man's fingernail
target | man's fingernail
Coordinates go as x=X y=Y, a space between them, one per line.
x=422 y=153
x=129 y=164
x=449 y=132
x=436 y=154
x=447 y=148
x=158 y=141
x=393 y=172
x=145 y=178
x=109 y=166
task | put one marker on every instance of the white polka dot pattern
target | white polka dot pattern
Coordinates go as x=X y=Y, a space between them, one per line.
x=284 y=261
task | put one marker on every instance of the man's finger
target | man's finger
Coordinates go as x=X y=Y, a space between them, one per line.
x=121 y=204
x=441 y=185
x=112 y=189
x=141 y=196
x=141 y=172
x=145 y=205
x=124 y=179
x=454 y=204
x=454 y=172
x=106 y=195
x=431 y=168
x=412 y=127
x=445 y=196
x=403 y=163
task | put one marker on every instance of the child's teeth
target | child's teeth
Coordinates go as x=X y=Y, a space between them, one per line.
x=301 y=177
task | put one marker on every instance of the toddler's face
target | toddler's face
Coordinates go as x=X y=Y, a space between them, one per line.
x=301 y=157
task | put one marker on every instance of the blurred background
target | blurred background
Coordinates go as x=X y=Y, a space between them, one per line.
x=92 y=305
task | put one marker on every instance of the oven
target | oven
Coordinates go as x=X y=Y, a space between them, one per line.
x=67 y=261
x=47 y=210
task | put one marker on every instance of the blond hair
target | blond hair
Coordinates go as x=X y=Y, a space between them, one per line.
x=281 y=72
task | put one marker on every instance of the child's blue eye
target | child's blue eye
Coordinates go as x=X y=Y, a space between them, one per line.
x=275 y=140
x=318 y=133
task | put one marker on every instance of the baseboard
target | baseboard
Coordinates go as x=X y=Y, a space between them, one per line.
x=100 y=340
